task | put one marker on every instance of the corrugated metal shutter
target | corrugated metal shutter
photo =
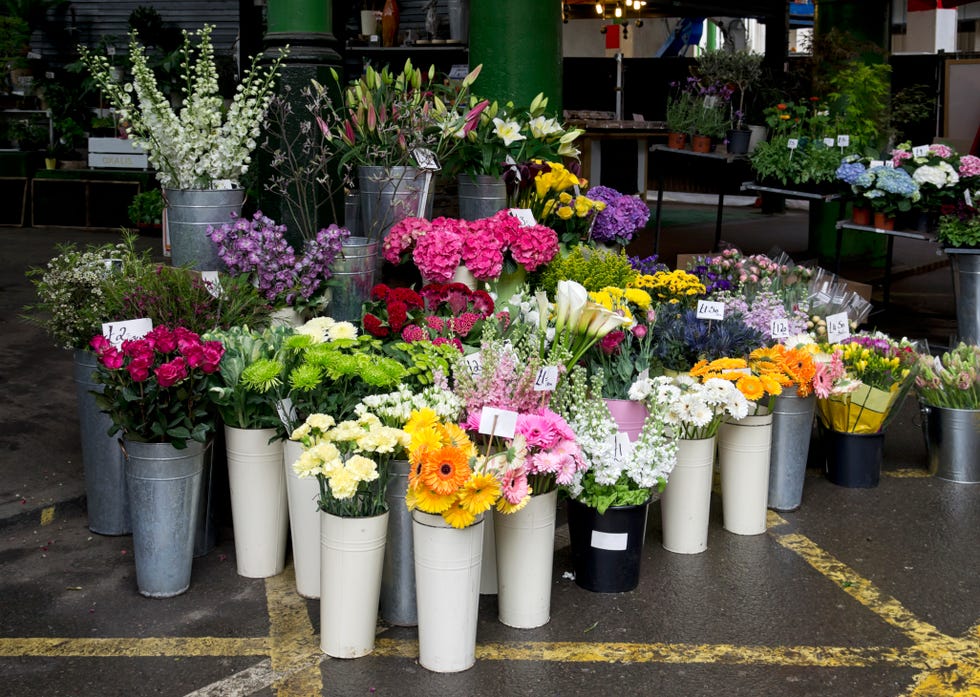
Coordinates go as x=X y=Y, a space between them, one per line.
x=90 y=20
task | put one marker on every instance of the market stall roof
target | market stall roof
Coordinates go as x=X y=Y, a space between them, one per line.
x=585 y=9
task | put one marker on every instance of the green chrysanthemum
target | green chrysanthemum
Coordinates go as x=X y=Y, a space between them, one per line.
x=305 y=377
x=263 y=375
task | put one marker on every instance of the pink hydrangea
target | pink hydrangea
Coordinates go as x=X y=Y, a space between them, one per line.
x=535 y=246
x=899 y=156
x=438 y=252
x=402 y=236
x=940 y=150
x=969 y=166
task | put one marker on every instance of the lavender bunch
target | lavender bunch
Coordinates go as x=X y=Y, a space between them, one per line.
x=257 y=247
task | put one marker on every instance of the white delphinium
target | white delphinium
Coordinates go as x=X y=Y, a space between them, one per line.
x=203 y=145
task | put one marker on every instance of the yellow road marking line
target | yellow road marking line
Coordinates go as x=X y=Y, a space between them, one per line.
x=952 y=665
x=774 y=520
x=620 y=652
x=908 y=473
x=130 y=647
x=47 y=515
x=294 y=649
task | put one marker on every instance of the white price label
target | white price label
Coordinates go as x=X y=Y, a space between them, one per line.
x=793 y=143
x=710 y=101
x=838 y=328
x=212 y=283
x=458 y=71
x=546 y=379
x=708 y=309
x=110 y=50
x=287 y=412
x=876 y=163
x=622 y=447
x=524 y=216
x=112 y=265
x=498 y=422
x=829 y=142
x=843 y=141
x=889 y=164
x=920 y=151
x=779 y=328
x=643 y=375
x=612 y=541
x=426 y=159
x=223 y=184
x=473 y=363
x=118 y=332
x=967 y=197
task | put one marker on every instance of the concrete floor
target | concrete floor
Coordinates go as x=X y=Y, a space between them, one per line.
x=859 y=592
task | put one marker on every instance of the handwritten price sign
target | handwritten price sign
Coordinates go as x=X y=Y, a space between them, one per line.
x=779 y=328
x=118 y=332
x=473 y=363
x=524 y=215
x=708 y=309
x=546 y=379
x=843 y=141
x=838 y=327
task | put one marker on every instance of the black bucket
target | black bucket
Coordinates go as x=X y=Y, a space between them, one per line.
x=853 y=459
x=606 y=549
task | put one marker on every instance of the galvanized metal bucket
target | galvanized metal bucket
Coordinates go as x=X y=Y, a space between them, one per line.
x=952 y=443
x=189 y=213
x=102 y=459
x=398 y=576
x=164 y=491
x=354 y=274
x=481 y=196
x=792 y=427
x=391 y=194
x=966 y=289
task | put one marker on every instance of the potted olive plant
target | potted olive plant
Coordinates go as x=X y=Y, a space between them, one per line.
x=740 y=70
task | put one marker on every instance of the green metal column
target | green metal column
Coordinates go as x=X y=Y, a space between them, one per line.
x=518 y=42
x=306 y=26
x=300 y=16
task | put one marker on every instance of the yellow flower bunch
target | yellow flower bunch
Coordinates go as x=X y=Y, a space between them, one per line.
x=614 y=300
x=760 y=376
x=567 y=207
x=443 y=479
x=671 y=286
x=871 y=367
x=555 y=181
x=338 y=456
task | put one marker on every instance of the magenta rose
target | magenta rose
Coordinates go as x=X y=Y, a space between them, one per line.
x=194 y=354
x=185 y=339
x=212 y=351
x=162 y=339
x=99 y=344
x=112 y=358
x=171 y=372
x=138 y=371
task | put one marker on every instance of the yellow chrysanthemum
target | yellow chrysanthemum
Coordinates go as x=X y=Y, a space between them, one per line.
x=479 y=493
x=638 y=297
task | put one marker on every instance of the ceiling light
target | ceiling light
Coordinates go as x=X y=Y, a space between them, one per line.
x=598 y=8
x=619 y=10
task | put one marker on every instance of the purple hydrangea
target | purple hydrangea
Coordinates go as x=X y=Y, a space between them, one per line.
x=621 y=218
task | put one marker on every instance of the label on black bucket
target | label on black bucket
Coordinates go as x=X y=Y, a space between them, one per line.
x=613 y=541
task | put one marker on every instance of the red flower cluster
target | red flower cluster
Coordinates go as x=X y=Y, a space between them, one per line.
x=438 y=312
x=156 y=345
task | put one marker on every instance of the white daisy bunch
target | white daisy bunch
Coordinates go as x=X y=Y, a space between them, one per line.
x=395 y=408
x=203 y=146
x=692 y=410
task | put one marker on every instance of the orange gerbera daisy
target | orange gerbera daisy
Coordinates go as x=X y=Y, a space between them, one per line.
x=445 y=470
x=751 y=387
x=699 y=369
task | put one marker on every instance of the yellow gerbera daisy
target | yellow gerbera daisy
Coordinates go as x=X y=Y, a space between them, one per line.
x=458 y=516
x=751 y=387
x=426 y=500
x=421 y=418
x=771 y=385
x=505 y=507
x=479 y=493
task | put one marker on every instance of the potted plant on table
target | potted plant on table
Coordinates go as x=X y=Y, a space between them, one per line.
x=741 y=71
x=948 y=389
x=155 y=392
x=959 y=234
x=146 y=211
x=200 y=153
x=681 y=106
x=890 y=191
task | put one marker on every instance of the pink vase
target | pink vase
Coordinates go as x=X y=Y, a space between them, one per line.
x=628 y=415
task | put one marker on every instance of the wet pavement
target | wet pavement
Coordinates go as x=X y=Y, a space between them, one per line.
x=859 y=592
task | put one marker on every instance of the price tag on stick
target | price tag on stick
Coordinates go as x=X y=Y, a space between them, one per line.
x=118 y=332
x=779 y=328
x=920 y=151
x=838 y=328
x=843 y=141
x=524 y=215
x=546 y=379
x=498 y=422
x=708 y=309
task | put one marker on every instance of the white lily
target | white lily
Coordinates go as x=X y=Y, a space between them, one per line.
x=508 y=131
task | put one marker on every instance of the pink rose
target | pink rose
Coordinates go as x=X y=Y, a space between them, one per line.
x=171 y=372
x=185 y=338
x=138 y=371
x=99 y=344
x=639 y=331
x=194 y=355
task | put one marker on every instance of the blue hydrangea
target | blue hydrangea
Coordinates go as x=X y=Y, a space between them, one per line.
x=849 y=172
